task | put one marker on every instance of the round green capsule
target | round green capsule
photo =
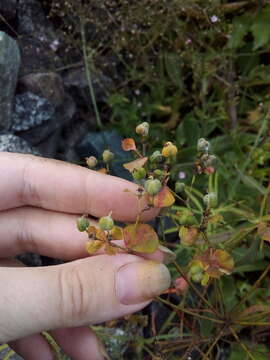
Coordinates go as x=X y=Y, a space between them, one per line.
x=82 y=223
x=153 y=186
x=107 y=156
x=179 y=187
x=139 y=174
x=106 y=223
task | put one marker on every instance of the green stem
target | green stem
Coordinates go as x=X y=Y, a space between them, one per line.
x=264 y=201
x=254 y=287
x=253 y=323
x=178 y=268
x=179 y=308
x=241 y=344
x=212 y=345
x=89 y=76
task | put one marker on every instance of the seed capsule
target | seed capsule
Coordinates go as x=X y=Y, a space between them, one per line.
x=169 y=150
x=106 y=223
x=153 y=186
x=82 y=223
x=203 y=145
x=139 y=174
x=209 y=160
x=196 y=272
x=107 y=156
x=158 y=174
x=143 y=129
x=179 y=187
x=197 y=278
x=186 y=217
x=156 y=156
x=210 y=200
x=91 y=162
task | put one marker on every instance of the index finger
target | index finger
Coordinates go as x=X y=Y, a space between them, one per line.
x=60 y=186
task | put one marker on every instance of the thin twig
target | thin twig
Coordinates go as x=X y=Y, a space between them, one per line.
x=89 y=76
x=195 y=289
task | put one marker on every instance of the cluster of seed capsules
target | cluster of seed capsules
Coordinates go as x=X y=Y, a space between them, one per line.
x=151 y=173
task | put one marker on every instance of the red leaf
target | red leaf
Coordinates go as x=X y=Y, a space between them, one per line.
x=163 y=199
x=128 y=144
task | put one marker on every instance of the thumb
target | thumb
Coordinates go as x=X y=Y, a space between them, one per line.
x=79 y=293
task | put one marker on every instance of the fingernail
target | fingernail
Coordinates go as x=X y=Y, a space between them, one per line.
x=168 y=255
x=141 y=281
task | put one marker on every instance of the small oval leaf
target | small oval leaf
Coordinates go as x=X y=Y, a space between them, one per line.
x=128 y=144
x=164 y=198
x=117 y=233
x=141 y=238
x=93 y=246
x=135 y=164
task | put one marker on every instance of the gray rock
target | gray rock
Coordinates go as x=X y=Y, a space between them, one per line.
x=94 y=143
x=47 y=85
x=38 y=119
x=76 y=81
x=30 y=110
x=31 y=20
x=8 y=8
x=12 y=143
x=9 y=67
x=37 y=56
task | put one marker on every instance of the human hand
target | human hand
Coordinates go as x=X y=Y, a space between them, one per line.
x=40 y=203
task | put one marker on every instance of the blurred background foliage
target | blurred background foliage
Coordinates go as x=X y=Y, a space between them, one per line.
x=192 y=69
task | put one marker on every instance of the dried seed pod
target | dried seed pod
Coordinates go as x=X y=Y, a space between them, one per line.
x=209 y=160
x=156 y=156
x=107 y=156
x=203 y=145
x=143 y=129
x=91 y=161
x=210 y=200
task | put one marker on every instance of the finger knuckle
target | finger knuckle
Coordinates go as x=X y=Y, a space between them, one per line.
x=74 y=296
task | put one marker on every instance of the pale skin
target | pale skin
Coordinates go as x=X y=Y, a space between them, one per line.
x=40 y=202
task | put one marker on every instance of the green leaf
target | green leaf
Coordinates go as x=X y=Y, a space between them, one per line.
x=191 y=130
x=184 y=256
x=228 y=291
x=261 y=29
x=237 y=353
x=258 y=351
x=255 y=266
x=173 y=68
x=206 y=327
x=251 y=182
x=240 y=29
x=188 y=131
x=261 y=33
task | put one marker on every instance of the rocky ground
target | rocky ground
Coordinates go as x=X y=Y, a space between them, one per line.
x=45 y=107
